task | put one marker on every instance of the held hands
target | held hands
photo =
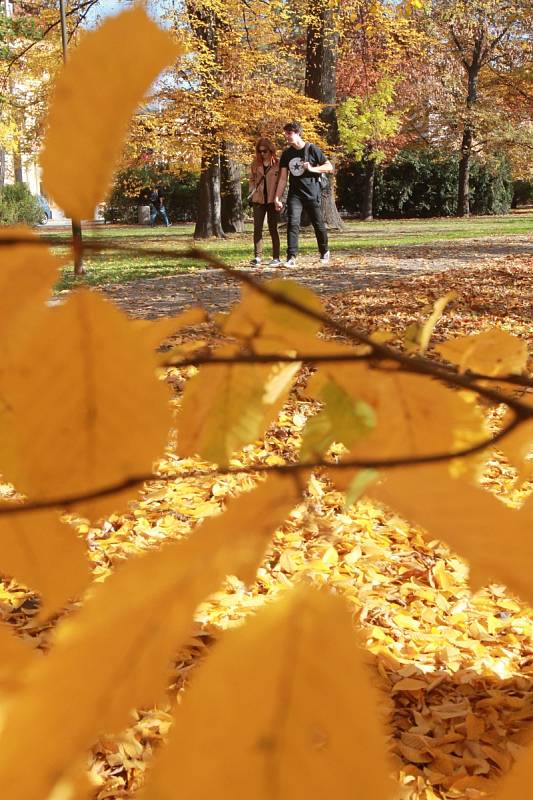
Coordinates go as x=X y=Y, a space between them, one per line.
x=278 y=204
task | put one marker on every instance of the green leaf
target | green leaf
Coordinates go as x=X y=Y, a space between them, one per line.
x=358 y=485
x=342 y=419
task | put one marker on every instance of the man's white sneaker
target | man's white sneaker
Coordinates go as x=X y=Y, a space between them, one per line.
x=255 y=262
x=290 y=262
x=275 y=262
x=324 y=259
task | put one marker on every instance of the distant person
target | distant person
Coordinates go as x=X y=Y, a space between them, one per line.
x=157 y=206
x=303 y=164
x=264 y=174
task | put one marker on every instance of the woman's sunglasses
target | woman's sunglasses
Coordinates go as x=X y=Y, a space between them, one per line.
x=262 y=151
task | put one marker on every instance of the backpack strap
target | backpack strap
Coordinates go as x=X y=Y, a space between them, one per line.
x=316 y=176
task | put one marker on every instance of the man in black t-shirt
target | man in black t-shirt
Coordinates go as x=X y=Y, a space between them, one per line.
x=303 y=164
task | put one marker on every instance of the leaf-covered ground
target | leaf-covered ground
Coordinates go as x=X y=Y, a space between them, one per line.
x=349 y=270
x=456 y=669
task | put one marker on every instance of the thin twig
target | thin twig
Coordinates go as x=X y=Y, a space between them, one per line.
x=69 y=501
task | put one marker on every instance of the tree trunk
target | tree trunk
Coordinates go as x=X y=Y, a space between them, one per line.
x=205 y=24
x=2 y=166
x=208 y=221
x=367 y=203
x=463 y=189
x=232 y=213
x=17 y=161
x=321 y=85
x=331 y=215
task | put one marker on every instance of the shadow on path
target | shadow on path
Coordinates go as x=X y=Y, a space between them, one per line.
x=216 y=291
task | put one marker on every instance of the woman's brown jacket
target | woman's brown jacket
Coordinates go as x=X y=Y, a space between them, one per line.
x=257 y=182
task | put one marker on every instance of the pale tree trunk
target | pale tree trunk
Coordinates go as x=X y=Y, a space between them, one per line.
x=208 y=220
x=320 y=84
x=2 y=167
x=231 y=194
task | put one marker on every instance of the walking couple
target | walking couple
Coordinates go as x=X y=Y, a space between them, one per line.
x=303 y=164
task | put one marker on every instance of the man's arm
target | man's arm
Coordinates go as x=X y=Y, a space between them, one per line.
x=327 y=166
x=282 y=182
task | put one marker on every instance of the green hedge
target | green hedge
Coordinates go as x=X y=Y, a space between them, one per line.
x=18 y=206
x=423 y=183
x=132 y=188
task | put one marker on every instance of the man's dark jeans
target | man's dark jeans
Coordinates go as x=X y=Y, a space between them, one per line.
x=295 y=206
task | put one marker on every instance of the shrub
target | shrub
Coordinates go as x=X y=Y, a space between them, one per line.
x=18 y=206
x=522 y=193
x=423 y=183
x=132 y=188
x=491 y=186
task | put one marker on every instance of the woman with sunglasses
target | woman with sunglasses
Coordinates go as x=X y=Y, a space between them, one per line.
x=264 y=173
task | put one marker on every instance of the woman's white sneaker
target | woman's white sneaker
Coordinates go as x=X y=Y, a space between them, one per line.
x=324 y=259
x=255 y=262
x=275 y=262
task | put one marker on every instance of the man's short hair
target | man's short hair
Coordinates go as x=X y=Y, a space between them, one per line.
x=293 y=126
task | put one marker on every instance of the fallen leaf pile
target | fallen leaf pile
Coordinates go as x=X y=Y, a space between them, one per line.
x=455 y=668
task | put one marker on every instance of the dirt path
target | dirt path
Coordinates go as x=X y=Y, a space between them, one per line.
x=166 y=296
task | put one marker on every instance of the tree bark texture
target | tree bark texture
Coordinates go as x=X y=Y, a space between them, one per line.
x=321 y=85
x=205 y=25
x=208 y=221
x=472 y=71
x=232 y=213
x=463 y=189
x=367 y=204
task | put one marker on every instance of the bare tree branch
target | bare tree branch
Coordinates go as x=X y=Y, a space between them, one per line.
x=85 y=7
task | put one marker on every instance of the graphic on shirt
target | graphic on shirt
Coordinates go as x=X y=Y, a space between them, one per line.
x=296 y=166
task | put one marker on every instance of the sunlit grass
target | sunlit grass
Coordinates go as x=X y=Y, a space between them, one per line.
x=114 y=266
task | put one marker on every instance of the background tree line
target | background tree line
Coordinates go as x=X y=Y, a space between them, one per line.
x=400 y=95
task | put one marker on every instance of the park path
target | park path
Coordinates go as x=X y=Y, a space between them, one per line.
x=214 y=290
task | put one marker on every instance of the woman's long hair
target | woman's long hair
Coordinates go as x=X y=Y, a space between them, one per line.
x=265 y=143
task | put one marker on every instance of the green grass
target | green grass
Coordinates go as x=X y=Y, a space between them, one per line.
x=113 y=266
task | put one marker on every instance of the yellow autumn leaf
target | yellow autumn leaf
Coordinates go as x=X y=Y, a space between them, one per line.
x=27 y=274
x=156 y=331
x=85 y=408
x=517 y=446
x=16 y=656
x=414 y=415
x=429 y=325
x=409 y=685
x=95 y=96
x=516 y=784
x=45 y=554
x=283 y=708
x=226 y=406
x=270 y=326
x=492 y=352
x=496 y=540
x=115 y=653
x=342 y=419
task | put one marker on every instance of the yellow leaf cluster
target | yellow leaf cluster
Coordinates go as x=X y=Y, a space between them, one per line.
x=87 y=124
x=315 y=729
x=285 y=706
